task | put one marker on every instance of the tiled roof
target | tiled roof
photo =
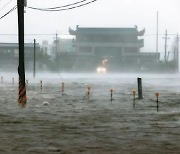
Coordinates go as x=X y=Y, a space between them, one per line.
x=106 y=31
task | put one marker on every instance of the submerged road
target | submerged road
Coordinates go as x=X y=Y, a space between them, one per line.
x=74 y=123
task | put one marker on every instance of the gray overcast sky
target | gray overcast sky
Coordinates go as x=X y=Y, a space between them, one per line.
x=102 y=13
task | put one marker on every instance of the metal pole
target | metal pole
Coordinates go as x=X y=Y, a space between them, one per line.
x=56 y=42
x=157 y=33
x=157 y=97
x=57 y=52
x=140 y=96
x=177 y=52
x=21 y=68
x=157 y=104
x=165 y=46
x=34 y=68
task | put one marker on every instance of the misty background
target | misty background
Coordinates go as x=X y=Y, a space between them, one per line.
x=90 y=112
x=102 y=13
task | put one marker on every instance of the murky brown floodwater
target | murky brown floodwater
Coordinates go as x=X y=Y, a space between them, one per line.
x=72 y=123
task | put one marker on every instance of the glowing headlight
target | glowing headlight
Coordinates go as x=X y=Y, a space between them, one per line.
x=101 y=70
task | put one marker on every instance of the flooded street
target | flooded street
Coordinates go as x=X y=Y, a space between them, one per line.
x=73 y=123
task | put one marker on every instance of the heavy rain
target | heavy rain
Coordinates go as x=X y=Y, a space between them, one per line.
x=90 y=76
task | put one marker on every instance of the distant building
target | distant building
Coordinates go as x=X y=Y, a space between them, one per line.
x=62 y=45
x=121 y=46
x=66 y=45
x=9 y=55
x=63 y=54
x=45 y=47
x=108 y=40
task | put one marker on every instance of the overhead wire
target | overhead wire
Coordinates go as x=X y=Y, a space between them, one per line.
x=52 y=8
x=58 y=7
x=69 y=34
x=5 y=5
x=69 y=8
x=14 y=8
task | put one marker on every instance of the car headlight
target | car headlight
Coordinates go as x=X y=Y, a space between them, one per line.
x=101 y=70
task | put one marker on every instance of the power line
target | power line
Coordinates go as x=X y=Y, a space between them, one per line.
x=70 y=8
x=58 y=7
x=159 y=34
x=69 y=34
x=32 y=34
x=6 y=5
x=14 y=8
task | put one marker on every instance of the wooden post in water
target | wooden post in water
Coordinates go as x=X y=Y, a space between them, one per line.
x=41 y=85
x=139 y=80
x=157 y=96
x=111 y=91
x=62 y=88
x=134 y=95
x=89 y=89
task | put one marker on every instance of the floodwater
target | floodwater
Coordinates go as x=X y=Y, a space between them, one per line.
x=72 y=123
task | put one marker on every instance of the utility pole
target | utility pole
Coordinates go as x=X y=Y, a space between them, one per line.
x=56 y=42
x=157 y=34
x=57 y=52
x=34 y=68
x=177 y=61
x=21 y=69
x=165 y=47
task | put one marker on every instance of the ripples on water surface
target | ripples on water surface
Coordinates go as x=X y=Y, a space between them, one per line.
x=72 y=123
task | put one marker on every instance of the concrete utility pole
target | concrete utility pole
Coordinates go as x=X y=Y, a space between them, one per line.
x=177 y=60
x=57 y=52
x=21 y=68
x=56 y=42
x=165 y=46
x=34 y=68
x=157 y=34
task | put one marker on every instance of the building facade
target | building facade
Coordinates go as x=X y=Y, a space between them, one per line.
x=121 y=46
x=9 y=55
